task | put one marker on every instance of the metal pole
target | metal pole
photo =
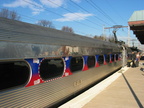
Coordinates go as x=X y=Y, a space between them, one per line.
x=104 y=35
x=128 y=36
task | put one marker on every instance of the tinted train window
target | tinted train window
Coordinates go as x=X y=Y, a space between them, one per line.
x=120 y=55
x=91 y=61
x=51 y=68
x=130 y=56
x=76 y=64
x=107 y=58
x=100 y=59
x=14 y=73
x=112 y=57
x=117 y=56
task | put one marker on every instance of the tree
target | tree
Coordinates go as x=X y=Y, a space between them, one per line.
x=67 y=29
x=101 y=37
x=5 y=13
x=96 y=37
x=111 y=38
x=45 y=23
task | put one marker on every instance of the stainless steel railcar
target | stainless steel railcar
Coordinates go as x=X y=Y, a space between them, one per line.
x=40 y=67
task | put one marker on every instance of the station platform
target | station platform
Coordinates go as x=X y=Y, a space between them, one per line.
x=123 y=89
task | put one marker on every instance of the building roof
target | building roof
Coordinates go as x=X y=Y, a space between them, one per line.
x=136 y=23
x=137 y=16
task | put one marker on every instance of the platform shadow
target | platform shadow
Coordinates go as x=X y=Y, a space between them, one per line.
x=133 y=93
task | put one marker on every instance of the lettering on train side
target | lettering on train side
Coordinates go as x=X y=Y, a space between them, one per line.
x=77 y=83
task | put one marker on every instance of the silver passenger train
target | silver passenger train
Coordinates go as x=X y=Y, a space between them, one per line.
x=42 y=67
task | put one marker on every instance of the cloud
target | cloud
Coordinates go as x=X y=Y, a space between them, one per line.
x=52 y=3
x=35 y=7
x=73 y=17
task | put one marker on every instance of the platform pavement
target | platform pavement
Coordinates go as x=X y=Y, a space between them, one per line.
x=124 y=89
x=125 y=92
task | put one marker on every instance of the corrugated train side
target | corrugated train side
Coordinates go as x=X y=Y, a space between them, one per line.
x=51 y=67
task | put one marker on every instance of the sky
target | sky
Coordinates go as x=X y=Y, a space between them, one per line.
x=86 y=17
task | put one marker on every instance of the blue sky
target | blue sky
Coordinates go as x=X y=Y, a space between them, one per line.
x=86 y=17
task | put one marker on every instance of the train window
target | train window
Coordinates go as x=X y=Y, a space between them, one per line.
x=129 y=56
x=107 y=58
x=51 y=68
x=101 y=59
x=120 y=55
x=112 y=57
x=117 y=56
x=13 y=73
x=76 y=64
x=91 y=61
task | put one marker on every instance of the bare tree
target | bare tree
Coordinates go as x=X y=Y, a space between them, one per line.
x=45 y=23
x=101 y=37
x=4 y=13
x=111 y=38
x=96 y=37
x=67 y=29
x=9 y=14
x=13 y=15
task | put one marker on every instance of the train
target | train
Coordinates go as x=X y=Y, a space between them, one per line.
x=42 y=67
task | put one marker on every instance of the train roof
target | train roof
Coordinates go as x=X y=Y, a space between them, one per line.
x=16 y=31
x=24 y=40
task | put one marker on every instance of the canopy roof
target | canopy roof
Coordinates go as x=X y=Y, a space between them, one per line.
x=136 y=23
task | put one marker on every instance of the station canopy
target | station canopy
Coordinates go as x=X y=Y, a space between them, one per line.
x=136 y=23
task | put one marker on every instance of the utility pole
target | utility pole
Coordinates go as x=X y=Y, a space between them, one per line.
x=128 y=40
x=104 y=35
x=133 y=42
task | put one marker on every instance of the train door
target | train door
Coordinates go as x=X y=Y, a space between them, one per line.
x=124 y=56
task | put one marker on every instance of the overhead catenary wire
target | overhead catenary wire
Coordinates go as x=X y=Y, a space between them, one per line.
x=116 y=13
x=59 y=14
x=93 y=4
x=74 y=13
x=114 y=10
x=88 y=12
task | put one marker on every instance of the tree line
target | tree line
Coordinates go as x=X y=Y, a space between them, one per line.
x=9 y=14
